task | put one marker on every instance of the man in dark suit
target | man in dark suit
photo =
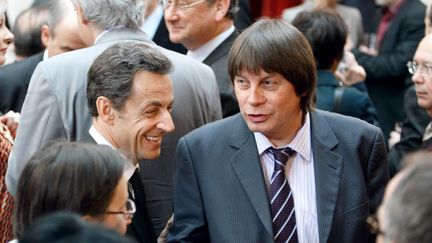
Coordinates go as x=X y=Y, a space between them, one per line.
x=59 y=35
x=399 y=28
x=206 y=29
x=280 y=171
x=130 y=97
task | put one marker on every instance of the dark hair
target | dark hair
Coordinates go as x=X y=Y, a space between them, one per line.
x=27 y=30
x=75 y=177
x=276 y=47
x=112 y=73
x=326 y=32
x=66 y=227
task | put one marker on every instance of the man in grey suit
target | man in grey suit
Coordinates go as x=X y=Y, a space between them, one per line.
x=206 y=29
x=281 y=171
x=55 y=106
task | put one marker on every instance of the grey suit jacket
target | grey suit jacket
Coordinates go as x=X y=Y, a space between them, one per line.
x=56 y=108
x=221 y=196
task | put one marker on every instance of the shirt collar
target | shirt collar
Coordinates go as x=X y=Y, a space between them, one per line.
x=301 y=143
x=99 y=139
x=201 y=53
x=151 y=23
x=106 y=31
x=394 y=9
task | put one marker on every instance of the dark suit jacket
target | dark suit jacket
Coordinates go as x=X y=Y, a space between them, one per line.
x=161 y=38
x=221 y=196
x=14 y=81
x=413 y=127
x=218 y=61
x=355 y=101
x=141 y=228
x=387 y=72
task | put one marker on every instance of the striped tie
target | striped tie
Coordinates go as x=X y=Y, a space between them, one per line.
x=282 y=201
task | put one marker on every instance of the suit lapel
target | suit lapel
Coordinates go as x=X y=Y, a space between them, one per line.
x=221 y=50
x=327 y=168
x=246 y=164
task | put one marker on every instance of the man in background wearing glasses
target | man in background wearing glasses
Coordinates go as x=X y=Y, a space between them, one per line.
x=206 y=29
x=421 y=69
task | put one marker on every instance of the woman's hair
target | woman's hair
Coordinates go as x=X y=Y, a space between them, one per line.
x=73 y=177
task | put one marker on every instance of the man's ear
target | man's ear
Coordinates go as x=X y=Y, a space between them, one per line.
x=105 y=110
x=80 y=15
x=45 y=35
x=222 y=7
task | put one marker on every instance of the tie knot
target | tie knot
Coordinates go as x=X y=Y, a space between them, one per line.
x=281 y=156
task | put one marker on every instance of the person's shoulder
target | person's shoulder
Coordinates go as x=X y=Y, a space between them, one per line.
x=217 y=128
x=342 y=123
x=29 y=63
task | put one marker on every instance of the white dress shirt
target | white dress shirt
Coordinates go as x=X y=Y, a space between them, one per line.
x=301 y=177
x=152 y=22
x=201 y=53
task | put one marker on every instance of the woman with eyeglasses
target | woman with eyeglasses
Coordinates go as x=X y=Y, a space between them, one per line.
x=82 y=178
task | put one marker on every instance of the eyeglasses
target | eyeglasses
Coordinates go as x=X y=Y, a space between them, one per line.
x=413 y=67
x=130 y=209
x=374 y=225
x=179 y=4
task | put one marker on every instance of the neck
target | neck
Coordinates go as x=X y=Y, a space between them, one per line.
x=222 y=26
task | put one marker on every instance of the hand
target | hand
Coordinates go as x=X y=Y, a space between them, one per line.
x=352 y=72
x=368 y=50
x=11 y=120
x=163 y=235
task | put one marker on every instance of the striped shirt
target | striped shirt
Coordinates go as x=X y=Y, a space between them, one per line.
x=301 y=177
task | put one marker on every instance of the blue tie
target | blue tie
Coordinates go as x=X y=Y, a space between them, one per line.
x=282 y=201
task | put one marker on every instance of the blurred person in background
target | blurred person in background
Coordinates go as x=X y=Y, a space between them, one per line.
x=84 y=178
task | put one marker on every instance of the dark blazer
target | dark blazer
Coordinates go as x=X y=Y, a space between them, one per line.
x=413 y=127
x=161 y=38
x=141 y=228
x=14 y=81
x=218 y=61
x=355 y=102
x=221 y=196
x=387 y=72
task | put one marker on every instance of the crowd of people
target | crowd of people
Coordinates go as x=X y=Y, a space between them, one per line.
x=196 y=121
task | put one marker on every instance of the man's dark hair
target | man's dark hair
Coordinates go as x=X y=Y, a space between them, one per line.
x=66 y=227
x=276 y=47
x=112 y=73
x=27 y=30
x=74 y=177
x=326 y=32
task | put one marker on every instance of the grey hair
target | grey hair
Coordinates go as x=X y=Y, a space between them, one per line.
x=3 y=6
x=112 y=73
x=408 y=211
x=57 y=10
x=232 y=10
x=106 y=14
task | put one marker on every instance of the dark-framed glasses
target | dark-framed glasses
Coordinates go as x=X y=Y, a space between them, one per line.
x=130 y=209
x=181 y=5
x=424 y=68
x=374 y=225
